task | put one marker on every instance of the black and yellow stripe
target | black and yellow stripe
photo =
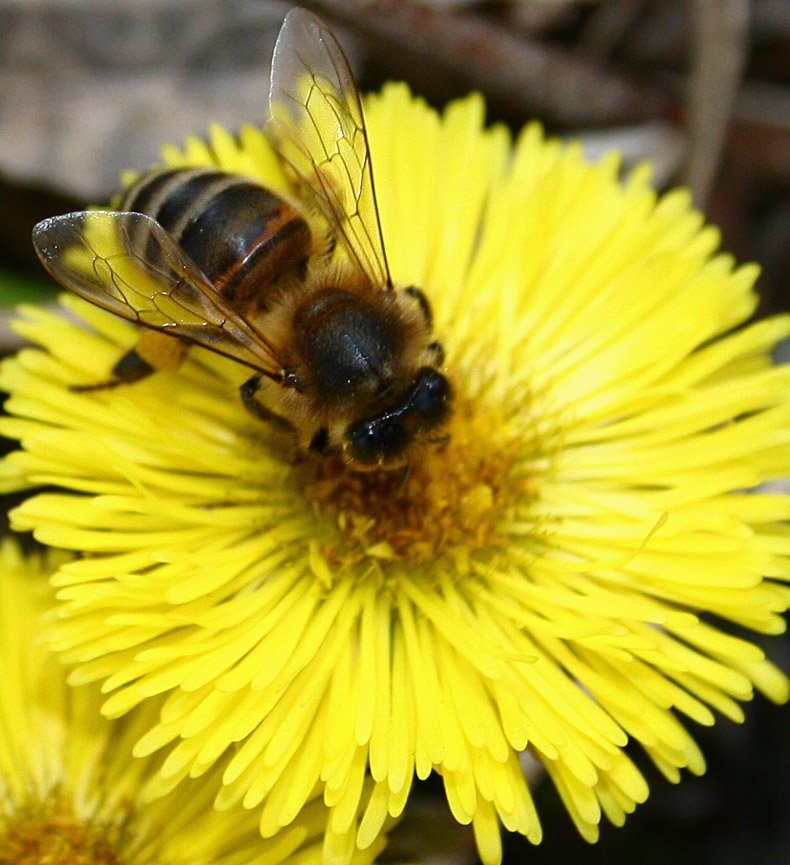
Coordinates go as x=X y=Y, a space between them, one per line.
x=243 y=237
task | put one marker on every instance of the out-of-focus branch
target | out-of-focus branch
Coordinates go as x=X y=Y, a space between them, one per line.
x=719 y=54
x=760 y=133
x=607 y=24
x=520 y=74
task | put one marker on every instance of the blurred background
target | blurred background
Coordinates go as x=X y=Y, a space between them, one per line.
x=701 y=87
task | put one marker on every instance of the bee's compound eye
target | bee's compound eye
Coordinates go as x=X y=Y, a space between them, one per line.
x=369 y=441
x=387 y=436
x=430 y=395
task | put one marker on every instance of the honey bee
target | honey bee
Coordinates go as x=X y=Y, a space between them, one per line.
x=341 y=355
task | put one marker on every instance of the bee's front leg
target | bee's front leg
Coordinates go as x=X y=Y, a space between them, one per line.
x=248 y=391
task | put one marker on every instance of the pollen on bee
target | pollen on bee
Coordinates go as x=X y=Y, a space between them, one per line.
x=451 y=499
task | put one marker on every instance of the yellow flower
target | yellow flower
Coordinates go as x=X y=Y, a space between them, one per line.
x=558 y=578
x=70 y=791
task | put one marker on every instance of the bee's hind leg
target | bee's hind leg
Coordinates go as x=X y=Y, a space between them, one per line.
x=154 y=351
x=129 y=369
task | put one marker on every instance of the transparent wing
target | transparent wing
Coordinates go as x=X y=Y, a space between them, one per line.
x=317 y=126
x=128 y=264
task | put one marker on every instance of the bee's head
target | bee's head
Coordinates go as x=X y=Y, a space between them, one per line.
x=383 y=440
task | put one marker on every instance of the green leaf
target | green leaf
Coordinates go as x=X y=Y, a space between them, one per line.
x=21 y=286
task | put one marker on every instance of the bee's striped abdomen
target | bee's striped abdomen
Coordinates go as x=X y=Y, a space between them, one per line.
x=243 y=237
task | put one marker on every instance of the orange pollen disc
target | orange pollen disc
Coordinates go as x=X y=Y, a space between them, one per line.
x=453 y=495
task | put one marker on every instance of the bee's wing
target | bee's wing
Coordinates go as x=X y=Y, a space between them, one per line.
x=128 y=264
x=317 y=126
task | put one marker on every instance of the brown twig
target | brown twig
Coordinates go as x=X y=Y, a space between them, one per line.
x=606 y=26
x=720 y=30
x=520 y=74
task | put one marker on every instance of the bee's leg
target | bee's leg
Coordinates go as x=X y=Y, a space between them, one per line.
x=154 y=351
x=425 y=307
x=319 y=443
x=438 y=351
x=130 y=368
x=257 y=409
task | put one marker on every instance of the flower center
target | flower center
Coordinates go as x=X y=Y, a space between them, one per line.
x=449 y=501
x=56 y=838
